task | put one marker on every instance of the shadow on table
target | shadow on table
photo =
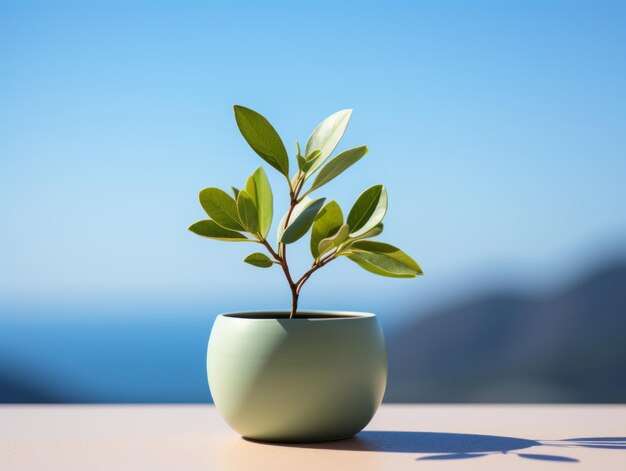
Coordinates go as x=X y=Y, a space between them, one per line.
x=449 y=446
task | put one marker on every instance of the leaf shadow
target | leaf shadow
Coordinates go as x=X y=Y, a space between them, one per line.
x=452 y=446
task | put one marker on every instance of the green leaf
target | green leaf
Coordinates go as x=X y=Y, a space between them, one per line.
x=368 y=235
x=327 y=223
x=301 y=206
x=368 y=211
x=335 y=240
x=326 y=136
x=313 y=155
x=248 y=213
x=210 y=229
x=298 y=153
x=304 y=164
x=301 y=224
x=235 y=191
x=338 y=165
x=376 y=230
x=263 y=138
x=301 y=162
x=259 y=259
x=383 y=259
x=258 y=187
x=221 y=207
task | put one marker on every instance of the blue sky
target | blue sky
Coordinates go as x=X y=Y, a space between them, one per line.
x=498 y=130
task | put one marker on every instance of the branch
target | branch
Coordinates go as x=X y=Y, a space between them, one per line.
x=316 y=266
x=270 y=249
x=282 y=248
x=281 y=261
x=281 y=256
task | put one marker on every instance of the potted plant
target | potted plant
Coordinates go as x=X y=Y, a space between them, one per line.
x=292 y=375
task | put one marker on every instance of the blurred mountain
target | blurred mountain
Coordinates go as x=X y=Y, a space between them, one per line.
x=569 y=346
x=14 y=389
x=504 y=347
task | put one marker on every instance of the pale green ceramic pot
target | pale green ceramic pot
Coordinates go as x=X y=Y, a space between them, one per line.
x=320 y=376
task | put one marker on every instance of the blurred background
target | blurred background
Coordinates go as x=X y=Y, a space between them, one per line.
x=498 y=129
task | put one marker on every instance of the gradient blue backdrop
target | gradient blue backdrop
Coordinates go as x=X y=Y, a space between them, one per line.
x=498 y=129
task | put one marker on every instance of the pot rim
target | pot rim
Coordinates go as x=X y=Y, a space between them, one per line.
x=283 y=314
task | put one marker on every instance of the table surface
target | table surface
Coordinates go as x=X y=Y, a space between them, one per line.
x=190 y=437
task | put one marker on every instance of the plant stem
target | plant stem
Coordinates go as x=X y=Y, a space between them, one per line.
x=283 y=252
x=281 y=261
x=281 y=256
x=316 y=266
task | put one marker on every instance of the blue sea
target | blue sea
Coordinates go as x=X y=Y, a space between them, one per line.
x=108 y=354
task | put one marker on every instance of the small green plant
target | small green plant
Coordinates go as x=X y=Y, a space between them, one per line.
x=247 y=215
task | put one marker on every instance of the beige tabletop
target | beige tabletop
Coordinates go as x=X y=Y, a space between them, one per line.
x=400 y=437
